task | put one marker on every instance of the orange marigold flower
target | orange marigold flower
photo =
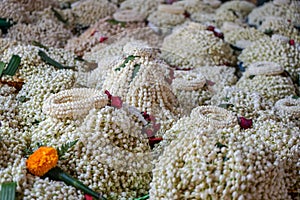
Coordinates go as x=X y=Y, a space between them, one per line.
x=42 y=160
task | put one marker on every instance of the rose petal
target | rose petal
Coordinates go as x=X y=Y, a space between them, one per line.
x=292 y=42
x=88 y=197
x=116 y=102
x=219 y=35
x=210 y=28
x=169 y=1
x=154 y=140
x=93 y=32
x=108 y=94
x=102 y=39
x=187 y=14
x=171 y=76
x=156 y=127
x=149 y=132
x=152 y=118
x=245 y=123
x=210 y=83
x=146 y=116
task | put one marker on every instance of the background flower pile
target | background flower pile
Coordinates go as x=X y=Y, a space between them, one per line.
x=186 y=71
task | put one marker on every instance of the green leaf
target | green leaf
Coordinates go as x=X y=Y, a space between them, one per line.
x=113 y=21
x=236 y=48
x=295 y=97
x=35 y=122
x=131 y=57
x=225 y=105
x=220 y=145
x=234 y=12
x=52 y=62
x=23 y=98
x=28 y=150
x=59 y=16
x=65 y=147
x=226 y=98
x=5 y=24
x=251 y=76
x=143 y=197
x=2 y=66
x=269 y=32
x=8 y=191
x=38 y=44
x=135 y=71
x=13 y=65
x=225 y=158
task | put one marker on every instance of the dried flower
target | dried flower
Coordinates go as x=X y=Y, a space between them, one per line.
x=42 y=160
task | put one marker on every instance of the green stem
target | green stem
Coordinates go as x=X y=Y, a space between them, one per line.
x=57 y=173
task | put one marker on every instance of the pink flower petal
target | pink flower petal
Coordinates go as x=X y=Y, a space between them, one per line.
x=154 y=140
x=156 y=127
x=210 y=83
x=108 y=94
x=169 y=1
x=102 y=39
x=171 y=77
x=245 y=123
x=146 y=116
x=93 y=32
x=116 y=102
x=219 y=35
x=88 y=197
x=292 y=42
x=148 y=131
x=210 y=28
x=152 y=118
x=187 y=14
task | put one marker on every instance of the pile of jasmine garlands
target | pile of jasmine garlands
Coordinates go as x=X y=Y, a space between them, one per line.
x=187 y=99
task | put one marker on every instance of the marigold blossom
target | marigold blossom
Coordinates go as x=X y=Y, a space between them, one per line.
x=42 y=160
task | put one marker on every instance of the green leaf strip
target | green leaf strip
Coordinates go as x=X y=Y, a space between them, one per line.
x=59 y=16
x=135 y=71
x=52 y=62
x=113 y=21
x=13 y=65
x=225 y=105
x=5 y=23
x=8 y=191
x=143 y=197
x=58 y=174
x=38 y=44
x=2 y=66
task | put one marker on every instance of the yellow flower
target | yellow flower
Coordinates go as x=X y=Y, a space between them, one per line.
x=42 y=160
